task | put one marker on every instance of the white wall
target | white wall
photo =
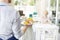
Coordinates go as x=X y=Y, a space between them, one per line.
x=26 y=9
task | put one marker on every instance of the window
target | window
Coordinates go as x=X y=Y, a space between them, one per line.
x=24 y=2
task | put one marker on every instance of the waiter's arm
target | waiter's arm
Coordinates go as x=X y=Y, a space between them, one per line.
x=17 y=27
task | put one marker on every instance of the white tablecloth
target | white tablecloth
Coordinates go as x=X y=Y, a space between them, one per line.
x=45 y=31
x=28 y=35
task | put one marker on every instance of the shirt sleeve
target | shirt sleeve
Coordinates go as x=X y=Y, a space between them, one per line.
x=17 y=27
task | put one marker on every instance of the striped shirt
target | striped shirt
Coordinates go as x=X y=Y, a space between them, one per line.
x=9 y=22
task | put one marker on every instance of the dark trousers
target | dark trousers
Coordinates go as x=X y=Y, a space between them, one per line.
x=12 y=38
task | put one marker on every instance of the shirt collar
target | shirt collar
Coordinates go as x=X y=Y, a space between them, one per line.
x=3 y=4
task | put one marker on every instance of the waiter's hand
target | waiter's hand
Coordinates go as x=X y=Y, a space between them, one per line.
x=26 y=27
x=29 y=25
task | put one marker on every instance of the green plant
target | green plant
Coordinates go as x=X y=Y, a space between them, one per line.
x=16 y=3
x=32 y=2
x=52 y=3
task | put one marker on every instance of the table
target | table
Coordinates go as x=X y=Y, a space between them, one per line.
x=45 y=31
x=28 y=35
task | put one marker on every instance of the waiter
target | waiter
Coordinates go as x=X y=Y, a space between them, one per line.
x=10 y=22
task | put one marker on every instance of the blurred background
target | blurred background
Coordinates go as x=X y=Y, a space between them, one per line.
x=31 y=9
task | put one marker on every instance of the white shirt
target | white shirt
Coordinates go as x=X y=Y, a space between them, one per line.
x=9 y=22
